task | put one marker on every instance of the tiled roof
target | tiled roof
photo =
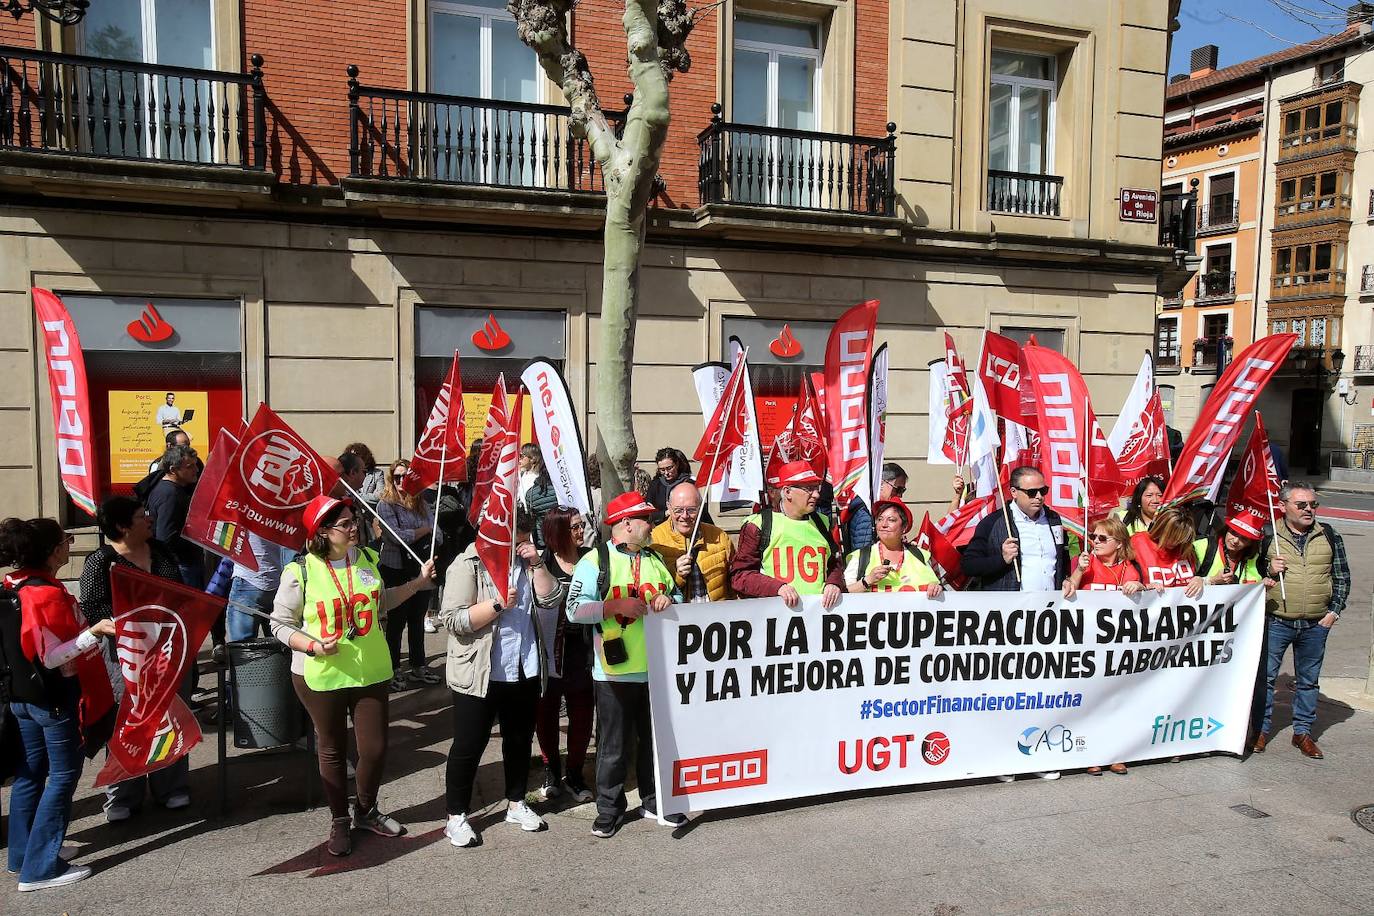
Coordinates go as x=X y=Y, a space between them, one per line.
x=1225 y=128
x=1249 y=69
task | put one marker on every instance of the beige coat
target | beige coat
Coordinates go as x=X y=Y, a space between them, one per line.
x=467 y=665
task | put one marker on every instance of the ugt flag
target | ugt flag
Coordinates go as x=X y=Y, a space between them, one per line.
x=496 y=524
x=498 y=419
x=1139 y=439
x=159 y=628
x=728 y=427
x=225 y=537
x=272 y=475
x=71 y=407
x=1256 y=487
x=440 y=454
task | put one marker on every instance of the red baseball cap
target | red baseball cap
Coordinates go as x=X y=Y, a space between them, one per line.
x=897 y=504
x=797 y=473
x=1245 y=526
x=318 y=508
x=628 y=505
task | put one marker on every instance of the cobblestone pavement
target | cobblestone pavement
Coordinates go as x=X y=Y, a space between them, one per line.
x=1165 y=837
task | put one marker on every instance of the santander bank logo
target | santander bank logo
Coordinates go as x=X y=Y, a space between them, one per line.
x=491 y=336
x=150 y=327
x=785 y=345
x=721 y=771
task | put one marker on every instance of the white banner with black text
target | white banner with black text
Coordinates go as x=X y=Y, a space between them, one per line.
x=753 y=702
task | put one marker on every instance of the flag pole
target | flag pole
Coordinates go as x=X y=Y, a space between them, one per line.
x=439 y=491
x=1269 y=497
x=1006 y=514
x=375 y=514
x=715 y=461
x=268 y=617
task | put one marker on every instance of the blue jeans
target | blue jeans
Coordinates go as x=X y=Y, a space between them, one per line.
x=192 y=574
x=44 y=783
x=242 y=625
x=1308 y=639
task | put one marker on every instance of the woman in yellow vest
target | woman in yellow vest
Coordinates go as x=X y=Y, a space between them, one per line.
x=331 y=611
x=891 y=565
x=1237 y=559
x=1143 y=505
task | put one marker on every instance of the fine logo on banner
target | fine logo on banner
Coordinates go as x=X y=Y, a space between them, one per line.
x=277 y=468
x=721 y=771
x=935 y=748
x=1165 y=728
x=1055 y=739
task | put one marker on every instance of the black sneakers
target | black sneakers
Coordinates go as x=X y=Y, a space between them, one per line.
x=606 y=825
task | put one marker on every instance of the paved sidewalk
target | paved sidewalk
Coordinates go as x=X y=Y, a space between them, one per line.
x=1164 y=838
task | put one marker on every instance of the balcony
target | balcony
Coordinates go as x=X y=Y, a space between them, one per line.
x=428 y=138
x=749 y=165
x=1219 y=217
x=1316 y=361
x=1167 y=358
x=1364 y=359
x=1174 y=301
x=1311 y=210
x=1216 y=286
x=62 y=107
x=1024 y=193
x=1367 y=280
x=1177 y=225
x=1309 y=285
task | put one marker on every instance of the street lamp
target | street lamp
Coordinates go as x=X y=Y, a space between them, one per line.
x=65 y=12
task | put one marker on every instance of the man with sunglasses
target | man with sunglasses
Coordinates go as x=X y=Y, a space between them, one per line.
x=1022 y=549
x=859 y=529
x=1311 y=557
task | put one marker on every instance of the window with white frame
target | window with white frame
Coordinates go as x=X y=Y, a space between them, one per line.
x=1021 y=112
x=1280 y=326
x=1316 y=332
x=474 y=51
x=1166 y=341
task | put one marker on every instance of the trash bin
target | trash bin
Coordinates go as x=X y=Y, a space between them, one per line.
x=266 y=711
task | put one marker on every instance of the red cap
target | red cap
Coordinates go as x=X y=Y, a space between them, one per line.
x=1246 y=526
x=317 y=509
x=797 y=473
x=897 y=504
x=628 y=505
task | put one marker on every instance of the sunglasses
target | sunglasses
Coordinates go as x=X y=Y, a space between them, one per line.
x=1304 y=504
x=1100 y=538
x=897 y=491
x=1034 y=491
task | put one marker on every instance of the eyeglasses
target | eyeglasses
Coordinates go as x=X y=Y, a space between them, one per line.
x=896 y=490
x=1304 y=504
x=70 y=539
x=1100 y=538
x=684 y=512
x=350 y=525
x=576 y=525
x=1034 y=491
x=807 y=487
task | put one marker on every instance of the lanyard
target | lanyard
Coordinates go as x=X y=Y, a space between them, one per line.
x=634 y=572
x=348 y=598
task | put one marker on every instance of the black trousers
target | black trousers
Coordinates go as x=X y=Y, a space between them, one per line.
x=406 y=618
x=512 y=705
x=622 y=722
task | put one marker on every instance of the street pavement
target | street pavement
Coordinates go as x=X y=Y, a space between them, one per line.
x=1168 y=837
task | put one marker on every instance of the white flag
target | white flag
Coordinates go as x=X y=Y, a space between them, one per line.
x=1134 y=407
x=938 y=420
x=560 y=440
x=877 y=420
x=737 y=485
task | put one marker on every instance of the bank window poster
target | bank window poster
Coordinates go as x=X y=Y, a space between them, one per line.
x=140 y=421
x=479 y=377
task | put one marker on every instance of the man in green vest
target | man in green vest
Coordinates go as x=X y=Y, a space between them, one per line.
x=612 y=588
x=1311 y=559
x=789 y=553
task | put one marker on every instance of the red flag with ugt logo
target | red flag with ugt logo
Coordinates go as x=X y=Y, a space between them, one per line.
x=498 y=419
x=441 y=451
x=159 y=627
x=1203 y=461
x=1256 y=487
x=727 y=429
x=496 y=525
x=225 y=537
x=272 y=475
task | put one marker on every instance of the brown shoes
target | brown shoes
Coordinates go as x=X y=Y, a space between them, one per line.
x=1118 y=768
x=1308 y=747
x=340 y=839
x=1259 y=745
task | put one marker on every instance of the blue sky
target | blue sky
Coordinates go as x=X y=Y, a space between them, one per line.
x=1267 y=26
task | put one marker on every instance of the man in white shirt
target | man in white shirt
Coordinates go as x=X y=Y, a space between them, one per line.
x=168 y=416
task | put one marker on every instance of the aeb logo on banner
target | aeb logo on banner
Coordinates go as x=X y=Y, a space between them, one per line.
x=278 y=469
x=1056 y=738
x=1165 y=728
x=722 y=771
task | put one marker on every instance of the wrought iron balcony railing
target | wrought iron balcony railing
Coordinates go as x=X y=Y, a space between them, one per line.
x=1216 y=285
x=1166 y=357
x=1022 y=192
x=1219 y=216
x=1367 y=279
x=71 y=105
x=797 y=169
x=1177 y=221
x=425 y=136
x=1364 y=357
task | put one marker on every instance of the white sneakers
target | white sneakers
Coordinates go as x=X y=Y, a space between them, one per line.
x=73 y=874
x=459 y=831
x=521 y=813
x=673 y=820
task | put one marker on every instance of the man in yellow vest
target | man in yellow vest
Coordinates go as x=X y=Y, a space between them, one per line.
x=713 y=551
x=789 y=553
x=1311 y=558
x=612 y=588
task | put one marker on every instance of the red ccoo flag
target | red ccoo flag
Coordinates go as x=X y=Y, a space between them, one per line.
x=942 y=554
x=159 y=628
x=496 y=525
x=1256 y=487
x=999 y=369
x=958 y=406
x=848 y=361
x=727 y=429
x=71 y=406
x=441 y=453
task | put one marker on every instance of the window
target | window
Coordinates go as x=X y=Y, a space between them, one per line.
x=1217 y=279
x=177 y=33
x=1221 y=201
x=1300 y=329
x=1316 y=332
x=1021 y=113
x=1215 y=328
x=1166 y=342
x=474 y=51
x=777 y=84
x=1050 y=338
x=1280 y=327
x=1313 y=123
x=1304 y=264
x=1331 y=71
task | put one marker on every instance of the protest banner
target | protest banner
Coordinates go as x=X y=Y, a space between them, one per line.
x=560 y=438
x=71 y=405
x=225 y=537
x=899 y=689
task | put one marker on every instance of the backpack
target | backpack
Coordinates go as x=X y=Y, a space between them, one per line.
x=766 y=530
x=21 y=681
x=603 y=566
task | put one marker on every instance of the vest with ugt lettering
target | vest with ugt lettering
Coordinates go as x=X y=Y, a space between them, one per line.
x=363 y=660
x=1162 y=567
x=796 y=553
x=654 y=580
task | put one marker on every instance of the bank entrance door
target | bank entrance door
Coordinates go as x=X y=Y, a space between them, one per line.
x=1305 y=435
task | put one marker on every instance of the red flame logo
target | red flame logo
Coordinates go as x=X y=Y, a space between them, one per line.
x=150 y=326
x=492 y=336
x=785 y=346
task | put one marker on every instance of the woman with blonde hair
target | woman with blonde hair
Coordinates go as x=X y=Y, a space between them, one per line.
x=1167 y=552
x=411 y=520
